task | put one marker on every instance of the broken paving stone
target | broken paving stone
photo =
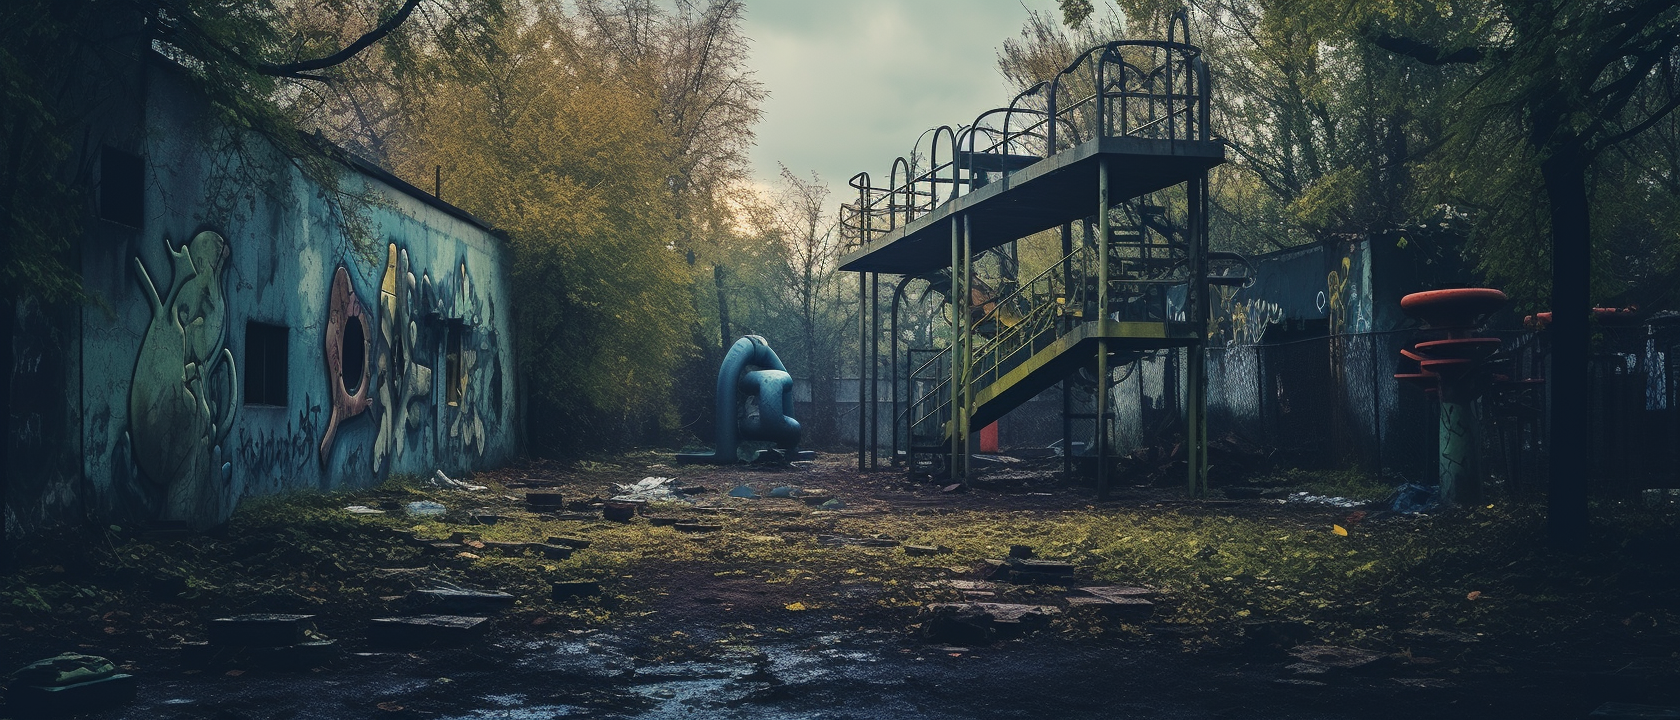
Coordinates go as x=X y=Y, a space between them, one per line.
x=506 y=547
x=1127 y=609
x=1118 y=592
x=832 y=504
x=426 y=630
x=618 y=511
x=979 y=622
x=262 y=630
x=958 y=585
x=484 y=518
x=555 y=552
x=957 y=623
x=742 y=491
x=73 y=699
x=362 y=510
x=1333 y=657
x=64 y=669
x=1020 y=552
x=785 y=491
x=925 y=550
x=694 y=527
x=815 y=499
x=461 y=537
x=545 y=500
x=1437 y=683
x=572 y=589
x=1299 y=682
x=663 y=520
x=1630 y=711
x=450 y=601
x=571 y=542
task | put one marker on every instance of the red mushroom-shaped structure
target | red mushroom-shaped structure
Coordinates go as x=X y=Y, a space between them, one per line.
x=1454 y=367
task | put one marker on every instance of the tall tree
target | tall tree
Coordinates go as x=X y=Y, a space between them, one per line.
x=1559 y=83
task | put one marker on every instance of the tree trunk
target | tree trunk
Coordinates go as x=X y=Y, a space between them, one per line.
x=724 y=338
x=1564 y=172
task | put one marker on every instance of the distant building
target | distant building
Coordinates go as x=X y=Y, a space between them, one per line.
x=240 y=340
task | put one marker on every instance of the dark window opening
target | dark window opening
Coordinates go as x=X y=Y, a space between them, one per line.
x=454 y=375
x=354 y=344
x=265 y=364
x=122 y=187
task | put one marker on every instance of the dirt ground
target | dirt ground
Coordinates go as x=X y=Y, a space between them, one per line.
x=780 y=607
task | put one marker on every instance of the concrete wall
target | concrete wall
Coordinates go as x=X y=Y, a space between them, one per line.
x=234 y=234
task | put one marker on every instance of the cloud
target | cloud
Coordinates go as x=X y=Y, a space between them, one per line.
x=853 y=83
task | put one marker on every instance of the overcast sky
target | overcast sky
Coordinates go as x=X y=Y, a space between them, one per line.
x=853 y=82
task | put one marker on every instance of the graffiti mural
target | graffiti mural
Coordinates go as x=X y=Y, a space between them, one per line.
x=1348 y=312
x=405 y=386
x=466 y=425
x=185 y=389
x=347 y=354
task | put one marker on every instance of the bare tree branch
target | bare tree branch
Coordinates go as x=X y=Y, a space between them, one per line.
x=298 y=69
x=1424 y=52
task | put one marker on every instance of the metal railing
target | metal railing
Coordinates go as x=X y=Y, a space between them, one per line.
x=1036 y=314
x=1155 y=89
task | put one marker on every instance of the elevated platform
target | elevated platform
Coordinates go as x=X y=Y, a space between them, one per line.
x=1056 y=190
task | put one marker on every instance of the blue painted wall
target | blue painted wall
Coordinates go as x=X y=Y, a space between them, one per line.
x=235 y=234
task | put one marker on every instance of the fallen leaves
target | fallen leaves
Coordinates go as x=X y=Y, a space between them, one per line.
x=1339 y=530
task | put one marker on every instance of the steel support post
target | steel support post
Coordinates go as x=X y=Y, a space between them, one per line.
x=874 y=370
x=959 y=315
x=1104 y=237
x=968 y=348
x=1066 y=322
x=863 y=361
x=1196 y=313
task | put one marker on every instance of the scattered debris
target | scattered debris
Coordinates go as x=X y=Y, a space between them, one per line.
x=571 y=542
x=649 y=489
x=785 y=491
x=832 y=504
x=663 y=520
x=1410 y=499
x=425 y=508
x=363 y=510
x=1307 y=498
x=742 y=491
x=439 y=479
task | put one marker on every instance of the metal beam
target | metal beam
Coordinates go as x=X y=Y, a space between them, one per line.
x=1103 y=238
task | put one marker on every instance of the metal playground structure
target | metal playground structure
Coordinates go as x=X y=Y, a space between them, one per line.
x=1114 y=153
